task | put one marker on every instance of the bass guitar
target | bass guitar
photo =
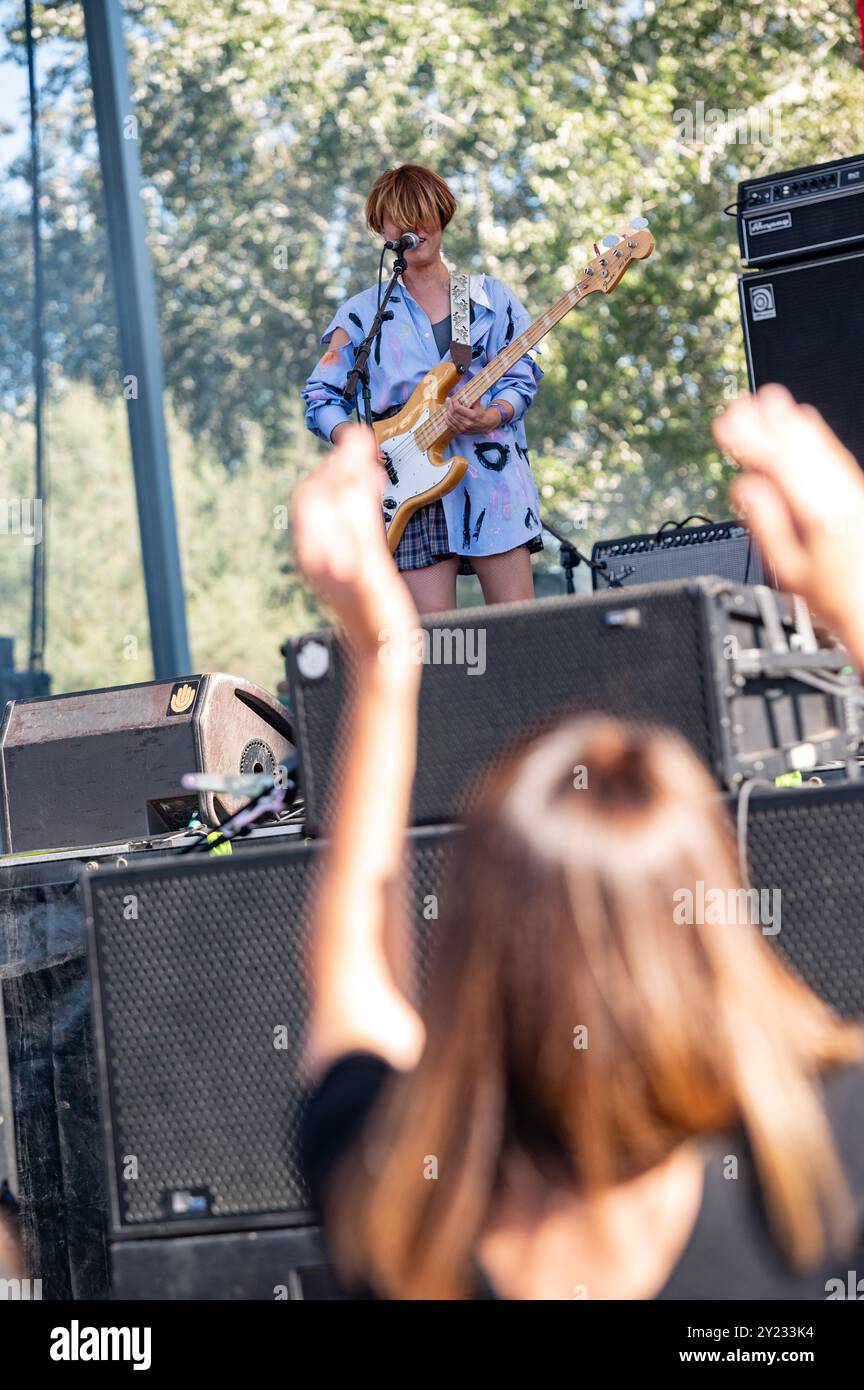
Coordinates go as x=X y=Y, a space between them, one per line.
x=414 y=440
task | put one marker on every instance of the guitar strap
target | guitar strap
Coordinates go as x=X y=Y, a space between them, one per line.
x=460 y=321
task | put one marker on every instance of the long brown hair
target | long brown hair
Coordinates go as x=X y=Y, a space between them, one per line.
x=559 y=918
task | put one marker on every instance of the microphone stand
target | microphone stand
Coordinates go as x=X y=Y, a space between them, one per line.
x=571 y=556
x=359 y=373
x=270 y=798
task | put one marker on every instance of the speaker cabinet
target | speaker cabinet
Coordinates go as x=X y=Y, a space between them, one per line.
x=200 y=975
x=670 y=654
x=803 y=327
x=101 y=766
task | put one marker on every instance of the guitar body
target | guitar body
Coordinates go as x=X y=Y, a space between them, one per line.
x=417 y=477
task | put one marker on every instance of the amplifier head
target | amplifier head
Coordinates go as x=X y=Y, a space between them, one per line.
x=725 y=549
x=812 y=211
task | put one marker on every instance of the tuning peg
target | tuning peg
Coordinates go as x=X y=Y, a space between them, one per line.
x=638 y=223
x=612 y=239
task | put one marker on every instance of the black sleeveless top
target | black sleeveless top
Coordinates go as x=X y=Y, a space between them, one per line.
x=731 y=1252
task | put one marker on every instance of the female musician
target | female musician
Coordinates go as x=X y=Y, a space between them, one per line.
x=490 y=523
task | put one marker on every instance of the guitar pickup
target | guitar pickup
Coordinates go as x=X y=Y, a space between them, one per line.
x=391 y=471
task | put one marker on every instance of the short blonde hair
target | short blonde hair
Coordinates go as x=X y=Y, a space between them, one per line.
x=411 y=196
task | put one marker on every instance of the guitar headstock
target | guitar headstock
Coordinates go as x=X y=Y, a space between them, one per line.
x=616 y=254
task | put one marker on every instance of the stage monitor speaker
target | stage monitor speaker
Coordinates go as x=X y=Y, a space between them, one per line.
x=803 y=327
x=199 y=972
x=725 y=549
x=100 y=766
x=700 y=656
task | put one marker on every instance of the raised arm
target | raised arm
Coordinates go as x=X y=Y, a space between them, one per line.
x=359 y=942
x=803 y=494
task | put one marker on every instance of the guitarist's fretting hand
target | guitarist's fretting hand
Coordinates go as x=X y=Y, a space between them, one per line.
x=473 y=419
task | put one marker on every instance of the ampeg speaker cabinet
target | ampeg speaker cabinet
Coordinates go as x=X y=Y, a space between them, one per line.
x=817 y=210
x=804 y=846
x=803 y=328
x=105 y=765
x=703 y=656
x=199 y=974
x=726 y=549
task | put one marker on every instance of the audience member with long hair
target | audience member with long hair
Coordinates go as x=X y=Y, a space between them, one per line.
x=597 y=1100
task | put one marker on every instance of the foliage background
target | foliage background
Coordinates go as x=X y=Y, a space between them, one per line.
x=261 y=124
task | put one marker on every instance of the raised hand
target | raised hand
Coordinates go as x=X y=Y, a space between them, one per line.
x=341 y=544
x=803 y=494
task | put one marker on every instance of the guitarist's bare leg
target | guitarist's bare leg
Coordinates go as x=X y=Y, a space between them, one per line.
x=505 y=578
x=433 y=588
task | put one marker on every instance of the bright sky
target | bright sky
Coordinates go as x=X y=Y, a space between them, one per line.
x=14 y=105
x=13 y=91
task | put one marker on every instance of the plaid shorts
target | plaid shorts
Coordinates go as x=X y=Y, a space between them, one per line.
x=425 y=542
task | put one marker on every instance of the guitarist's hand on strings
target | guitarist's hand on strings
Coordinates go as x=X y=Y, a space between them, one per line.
x=472 y=419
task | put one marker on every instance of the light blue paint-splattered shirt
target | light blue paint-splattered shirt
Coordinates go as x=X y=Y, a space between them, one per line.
x=495 y=507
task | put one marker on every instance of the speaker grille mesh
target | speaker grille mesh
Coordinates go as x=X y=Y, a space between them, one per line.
x=813 y=343
x=808 y=844
x=543 y=660
x=195 y=990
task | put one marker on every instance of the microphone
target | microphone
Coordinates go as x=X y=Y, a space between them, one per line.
x=408 y=241
x=240 y=783
x=229 y=783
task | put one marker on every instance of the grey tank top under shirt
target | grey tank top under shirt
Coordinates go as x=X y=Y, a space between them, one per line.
x=443 y=335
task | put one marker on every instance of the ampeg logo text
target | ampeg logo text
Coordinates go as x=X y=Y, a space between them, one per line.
x=781 y=223
x=762 y=302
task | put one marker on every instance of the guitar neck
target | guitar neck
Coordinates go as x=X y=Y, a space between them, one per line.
x=508 y=356
x=611 y=265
